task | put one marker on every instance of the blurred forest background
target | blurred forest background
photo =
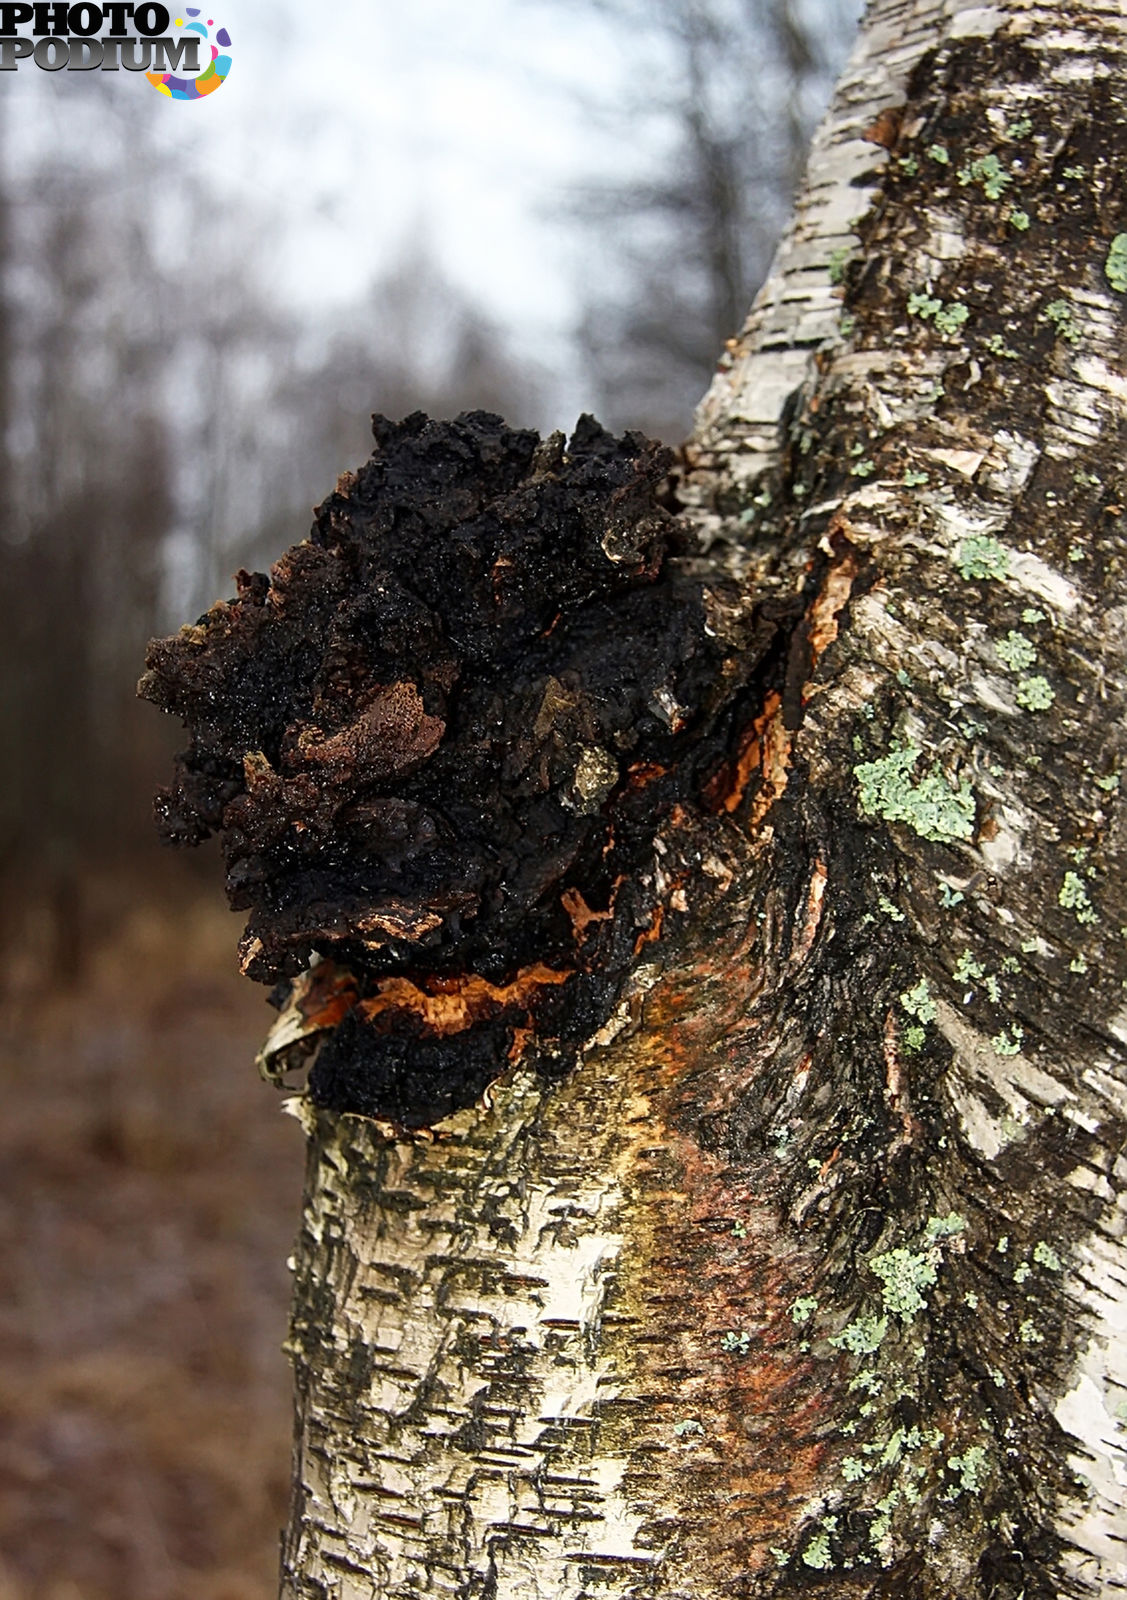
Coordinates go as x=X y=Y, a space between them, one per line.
x=199 y=307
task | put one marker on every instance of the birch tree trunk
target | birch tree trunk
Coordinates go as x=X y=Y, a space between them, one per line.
x=811 y=1277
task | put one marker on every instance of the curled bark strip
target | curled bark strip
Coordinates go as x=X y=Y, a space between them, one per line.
x=824 y=620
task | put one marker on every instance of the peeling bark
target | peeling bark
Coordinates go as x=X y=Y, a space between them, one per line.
x=810 y=1277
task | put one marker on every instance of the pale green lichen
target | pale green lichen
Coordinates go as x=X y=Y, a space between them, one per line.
x=863 y=1335
x=903 y=1274
x=970 y=1299
x=862 y=469
x=1019 y=220
x=895 y=1446
x=971 y=1467
x=839 y=260
x=1031 y=615
x=934 y=807
x=853 y=1468
x=1035 y=694
x=689 y=1425
x=913 y=478
x=1008 y=1042
x=949 y=897
x=1022 y=1271
x=1063 y=319
x=980 y=556
x=917 y=1002
x=940 y=153
x=989 y=172
x=967 y=969
x=944 y=1227
x=1016 y=651
x=915 y=1038
x=878 y=1528
x=997 y=346
x=1019 y=127
x=1029 y=1333
x=736 y=1343
x=1109 y=785
x=951 y=318
x=1115 y=267
x=1078 y=963
x=739 y=1230
x=1073 y=896
x=908 y=165
x=817 y=1553
x=1076 y=173
x=947 y=318
x=1046 y=1256
x=803 y=1309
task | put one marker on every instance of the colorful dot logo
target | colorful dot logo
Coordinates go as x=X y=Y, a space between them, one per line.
x=214 y=74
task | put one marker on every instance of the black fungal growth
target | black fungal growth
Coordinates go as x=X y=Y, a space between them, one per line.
x=436 y=743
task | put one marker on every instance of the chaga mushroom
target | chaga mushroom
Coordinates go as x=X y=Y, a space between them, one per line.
x=436 y=743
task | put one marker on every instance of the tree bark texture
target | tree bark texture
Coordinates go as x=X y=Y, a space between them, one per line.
x=811 y=1277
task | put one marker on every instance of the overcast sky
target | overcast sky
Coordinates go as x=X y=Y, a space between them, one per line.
x=344 y=133
x=355 y=128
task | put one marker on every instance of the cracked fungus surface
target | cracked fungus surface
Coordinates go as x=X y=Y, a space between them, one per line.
x=436 y=740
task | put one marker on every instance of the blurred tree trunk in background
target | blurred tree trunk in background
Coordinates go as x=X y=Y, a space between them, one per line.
x=813 y=1280
x=727 y=91
x=6 y=381
x=88 y=497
